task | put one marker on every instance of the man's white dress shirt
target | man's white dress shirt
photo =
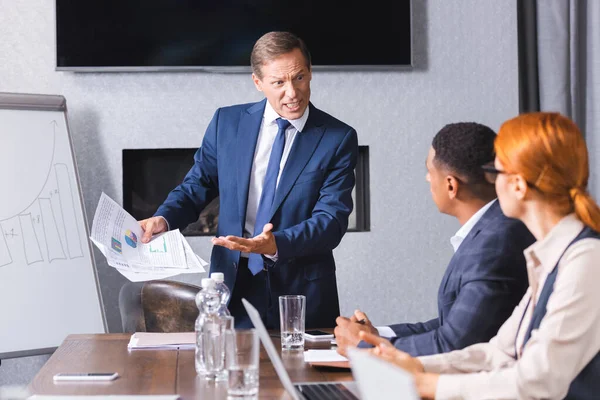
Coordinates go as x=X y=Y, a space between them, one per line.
x=266 y=138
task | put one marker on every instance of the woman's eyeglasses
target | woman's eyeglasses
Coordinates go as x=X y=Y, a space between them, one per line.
x=491 y=173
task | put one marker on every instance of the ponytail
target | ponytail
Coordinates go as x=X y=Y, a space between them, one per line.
x=586 y=208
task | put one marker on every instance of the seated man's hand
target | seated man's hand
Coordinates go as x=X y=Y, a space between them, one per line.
x=348 y=329
x=362 y=318
x=386 y=351
x=152 y=226
x=259 y=244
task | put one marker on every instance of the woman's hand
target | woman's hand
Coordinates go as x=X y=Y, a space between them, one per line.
x=386 y=351
x=426 y=383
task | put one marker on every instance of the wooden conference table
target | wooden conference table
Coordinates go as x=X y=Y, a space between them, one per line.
x=155 y=372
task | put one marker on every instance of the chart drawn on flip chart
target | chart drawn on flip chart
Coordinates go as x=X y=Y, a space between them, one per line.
x=33 y=252
x=67 y=206
x=54 y=247
x=5 y=257
x=45 y=209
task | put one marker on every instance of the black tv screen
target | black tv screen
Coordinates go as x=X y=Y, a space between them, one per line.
x=189 y=34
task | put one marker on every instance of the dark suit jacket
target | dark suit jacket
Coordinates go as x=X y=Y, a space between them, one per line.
x=310 y=209
x=484 y=282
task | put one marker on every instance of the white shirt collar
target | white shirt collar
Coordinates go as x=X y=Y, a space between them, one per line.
x=464 y=230
x=271 y=115
x=547 y=252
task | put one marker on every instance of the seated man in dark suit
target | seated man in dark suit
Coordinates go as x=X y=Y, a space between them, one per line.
x=486 y=277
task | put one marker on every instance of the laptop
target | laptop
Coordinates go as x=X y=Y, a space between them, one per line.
x=299 y=391
x=380 y=380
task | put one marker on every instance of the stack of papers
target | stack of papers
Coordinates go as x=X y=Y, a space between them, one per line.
x=164 y=341
x=118 y=236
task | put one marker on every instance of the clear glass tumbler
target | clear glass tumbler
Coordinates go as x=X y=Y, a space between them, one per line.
x=292 y=310
x=242 y=355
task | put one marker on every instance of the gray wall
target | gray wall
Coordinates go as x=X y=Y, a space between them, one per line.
x=466 y=69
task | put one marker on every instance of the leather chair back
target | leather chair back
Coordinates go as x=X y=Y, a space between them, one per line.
x=158 y=306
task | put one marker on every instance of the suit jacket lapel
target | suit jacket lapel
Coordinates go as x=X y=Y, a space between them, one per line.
x=302 y=150
x=485 y=219
x=247 y=136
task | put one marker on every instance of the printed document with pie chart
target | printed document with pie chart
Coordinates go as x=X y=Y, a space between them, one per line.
x=117 y=235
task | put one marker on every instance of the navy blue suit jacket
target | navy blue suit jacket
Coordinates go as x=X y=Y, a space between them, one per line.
x=484 y=282
x=310 y=209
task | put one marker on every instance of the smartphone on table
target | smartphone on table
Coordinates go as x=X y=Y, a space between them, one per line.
x=315 y=334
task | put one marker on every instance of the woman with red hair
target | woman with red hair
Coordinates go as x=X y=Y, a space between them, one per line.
x=549 y=347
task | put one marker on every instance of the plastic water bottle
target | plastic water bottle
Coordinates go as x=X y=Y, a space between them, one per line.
x=210 y=338
x=223 y=290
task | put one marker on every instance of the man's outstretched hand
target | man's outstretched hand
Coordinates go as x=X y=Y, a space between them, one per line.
x=259 y=244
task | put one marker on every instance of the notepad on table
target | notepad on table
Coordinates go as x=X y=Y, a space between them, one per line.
x=151 y=340
x=325 y=358
x=313 y=355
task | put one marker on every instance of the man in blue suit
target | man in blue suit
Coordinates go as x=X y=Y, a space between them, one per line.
x=284 y=173
x=487 y=275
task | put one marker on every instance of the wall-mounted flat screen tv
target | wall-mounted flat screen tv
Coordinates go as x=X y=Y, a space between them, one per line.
x=219 y=34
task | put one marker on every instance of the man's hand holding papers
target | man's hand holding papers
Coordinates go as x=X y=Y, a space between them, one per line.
x=153 y=226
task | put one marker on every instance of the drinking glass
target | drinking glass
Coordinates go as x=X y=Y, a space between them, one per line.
x=242 y=354
x=292 y=309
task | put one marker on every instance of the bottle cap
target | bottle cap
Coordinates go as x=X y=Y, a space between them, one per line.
x=207 y=283
x=217 y=277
